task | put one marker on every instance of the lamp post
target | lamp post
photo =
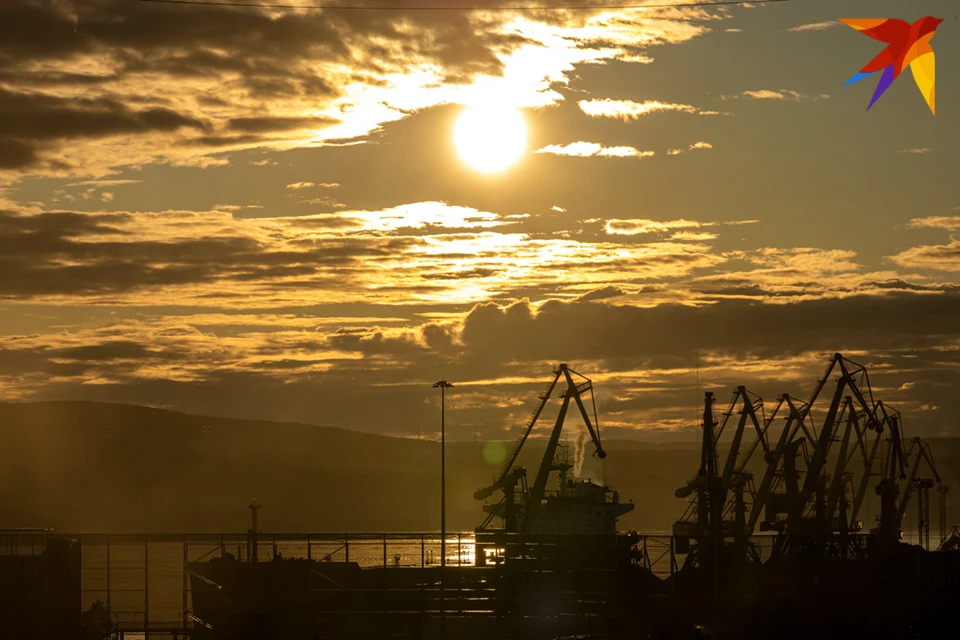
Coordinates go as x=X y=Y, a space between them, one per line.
x=444 y=385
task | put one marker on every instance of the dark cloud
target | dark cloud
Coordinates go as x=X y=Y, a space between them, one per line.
x=601 y=294
x=16 y=153
x=257 y=125
x=29 y=121
x=36 y=116
x=75 y=254
x=657 y=334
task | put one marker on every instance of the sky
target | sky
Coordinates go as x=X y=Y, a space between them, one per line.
x=265 y=213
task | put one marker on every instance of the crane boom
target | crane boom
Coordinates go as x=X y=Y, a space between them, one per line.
x=867 y=471
x=837 y=485
x=793 y=424
x=533 y=421
x=509 y=476
x=923 y=453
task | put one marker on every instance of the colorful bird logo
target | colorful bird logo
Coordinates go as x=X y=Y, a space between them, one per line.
x=906 y=44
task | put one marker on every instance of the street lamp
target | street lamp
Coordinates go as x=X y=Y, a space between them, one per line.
x=443 y=384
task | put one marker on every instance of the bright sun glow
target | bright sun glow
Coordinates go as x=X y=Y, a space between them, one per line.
x=490 y=137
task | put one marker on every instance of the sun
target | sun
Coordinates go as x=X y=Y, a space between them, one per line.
x=490 y=137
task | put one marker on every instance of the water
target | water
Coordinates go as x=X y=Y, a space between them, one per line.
x=147 y=578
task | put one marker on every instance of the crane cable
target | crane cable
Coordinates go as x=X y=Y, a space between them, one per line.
x=340 y=7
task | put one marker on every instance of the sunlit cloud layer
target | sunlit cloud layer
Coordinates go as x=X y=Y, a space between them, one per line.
x=936 y=222
x=635 y=227
x=630 y=110
x=390 y=256
x=817 y=26
x=692 y=147
x=587 y=149
x=638 y=226
x=781 y=94
x=937 y=257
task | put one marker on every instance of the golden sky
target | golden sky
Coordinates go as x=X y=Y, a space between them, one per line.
x=313 y=215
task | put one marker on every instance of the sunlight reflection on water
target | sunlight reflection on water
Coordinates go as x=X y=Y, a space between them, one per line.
x=164 y=576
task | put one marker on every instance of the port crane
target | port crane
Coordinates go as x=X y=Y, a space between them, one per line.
x=719 y=507
x=521 y=505
x=917 y=454
x=816 y=473
x=899 y=479
x=811 y=505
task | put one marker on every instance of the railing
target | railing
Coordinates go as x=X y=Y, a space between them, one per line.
x=23 y=542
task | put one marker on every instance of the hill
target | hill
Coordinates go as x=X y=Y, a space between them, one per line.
x=86 y=466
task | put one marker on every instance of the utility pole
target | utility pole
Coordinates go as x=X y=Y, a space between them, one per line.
x=252 y=541
x=923 y=512
x=444 y=385
x=942 y=490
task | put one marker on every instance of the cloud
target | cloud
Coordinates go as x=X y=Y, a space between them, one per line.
x=636 y=227
x=296 y=186
x=425 y=214
x=936 y=222
x=601 y=294
x=103 y=183
x=936 y=257
x=781 y=94
x=694 y=236
x=639 y=226
x=915 y=151
x=558 y=209
x=817 y=26
x=694 y=146
x=33 y=122
x=586 y=149
x=630 y=110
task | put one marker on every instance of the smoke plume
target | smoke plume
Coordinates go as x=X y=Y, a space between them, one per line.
x=578 y=461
